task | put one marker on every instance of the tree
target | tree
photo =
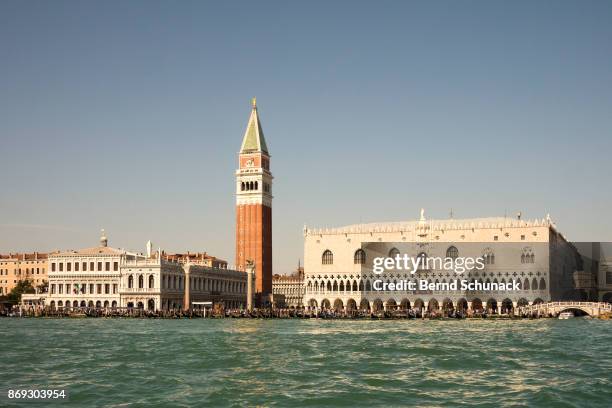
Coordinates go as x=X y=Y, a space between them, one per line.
x=43 y=287
x=23 y=286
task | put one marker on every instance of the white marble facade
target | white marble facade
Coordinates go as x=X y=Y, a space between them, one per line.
x=337 y=278
x=114 y=278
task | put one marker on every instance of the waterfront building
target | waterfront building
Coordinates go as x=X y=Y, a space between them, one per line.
x=88 y=277
x=605 y=279
x=160 y=284
x=34 y=300
x=603 y=268
x=254 y=206
x=594 y=276
x=22 y=266
x=544 y=262
x=289 y=289
x=109 y=278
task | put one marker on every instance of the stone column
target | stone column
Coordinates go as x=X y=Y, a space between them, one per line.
x=250 y=270
x=187 y=287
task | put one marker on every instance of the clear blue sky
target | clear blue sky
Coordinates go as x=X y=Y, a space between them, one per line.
x=129 y=116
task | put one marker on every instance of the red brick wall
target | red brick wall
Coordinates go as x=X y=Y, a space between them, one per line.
x=254 y=241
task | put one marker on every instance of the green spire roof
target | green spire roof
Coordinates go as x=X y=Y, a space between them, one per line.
x=254 y=140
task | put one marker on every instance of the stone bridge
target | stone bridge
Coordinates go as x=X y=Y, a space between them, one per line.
x=554 y=308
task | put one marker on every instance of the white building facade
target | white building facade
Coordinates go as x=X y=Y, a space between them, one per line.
x=88 y=277
x=104 y=277
x=289 y=288
x=338 y=271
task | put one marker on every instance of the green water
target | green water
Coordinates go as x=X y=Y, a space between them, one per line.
x=167 y=363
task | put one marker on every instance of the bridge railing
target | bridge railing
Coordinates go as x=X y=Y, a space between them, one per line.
x=549 y=305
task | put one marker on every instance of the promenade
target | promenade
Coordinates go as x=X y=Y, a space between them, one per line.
x=220 y=313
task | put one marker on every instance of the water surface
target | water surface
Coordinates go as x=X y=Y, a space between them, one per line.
x=163 y=363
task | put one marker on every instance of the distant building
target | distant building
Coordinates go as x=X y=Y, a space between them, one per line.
x=585 y=276
x=605 y=280
x=288 y=290
x=594 y=278
x=196 y=258
x=106 y=277
x=22 y=266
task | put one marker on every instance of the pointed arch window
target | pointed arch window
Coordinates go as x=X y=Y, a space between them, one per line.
x=527 y=257
x=327 y=258
x=488 y=256
x=360 y=257
x=393 y=252
x=452 y=252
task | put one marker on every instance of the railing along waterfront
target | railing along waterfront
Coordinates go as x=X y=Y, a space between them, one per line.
x=602 y=306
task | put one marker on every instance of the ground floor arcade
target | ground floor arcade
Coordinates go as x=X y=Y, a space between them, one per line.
x=489 y=304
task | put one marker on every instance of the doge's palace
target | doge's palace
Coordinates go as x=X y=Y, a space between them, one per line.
x=338 y=273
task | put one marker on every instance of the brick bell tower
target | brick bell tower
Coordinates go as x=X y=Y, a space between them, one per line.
x=254 y=206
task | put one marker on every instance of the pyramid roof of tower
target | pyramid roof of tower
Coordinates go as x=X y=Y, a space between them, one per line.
x=254 y=140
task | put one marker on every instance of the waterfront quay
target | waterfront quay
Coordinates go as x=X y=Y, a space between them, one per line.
x=545 y=310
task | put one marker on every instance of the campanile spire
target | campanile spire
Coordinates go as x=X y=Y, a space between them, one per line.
x=254 y=140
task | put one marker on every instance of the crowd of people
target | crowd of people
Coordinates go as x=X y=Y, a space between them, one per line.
x=218 y=311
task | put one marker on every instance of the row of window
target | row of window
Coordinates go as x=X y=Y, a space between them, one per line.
x=27 y=271
x=84 y=288
x=359 y=258
x=17 y=280
x=83 y=266
x=21 y=262
x=214 y=285
x=75 y=303
x=197 y=284
x=141 y=282
x=249 y=186
x=288 y=291
x=527 y=258
x=253 y=186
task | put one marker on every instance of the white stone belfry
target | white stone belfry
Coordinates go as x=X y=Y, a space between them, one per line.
x=103 y=239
